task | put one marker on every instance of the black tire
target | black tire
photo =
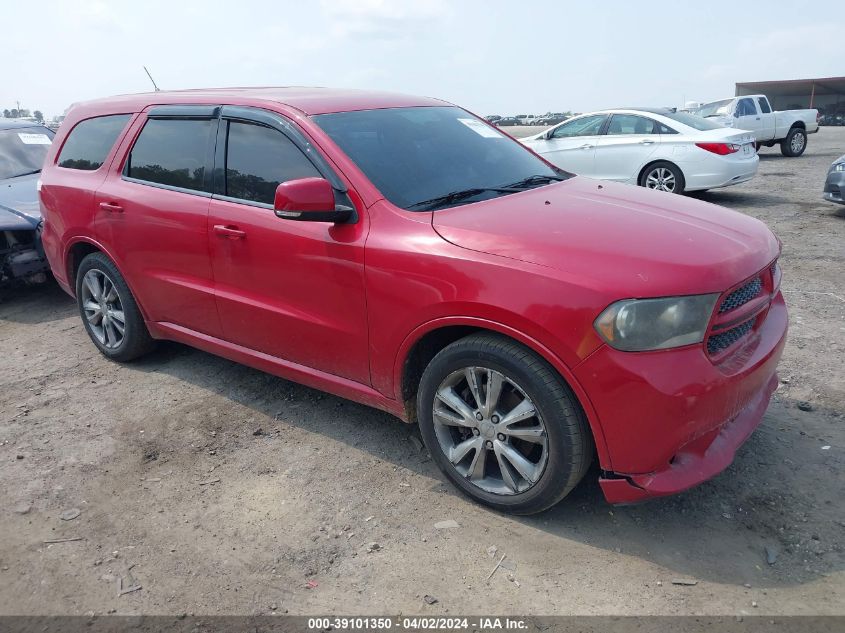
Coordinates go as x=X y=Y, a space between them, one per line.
x=136 y=340
x=569 y=441
x=677 y=174
x=795 y=142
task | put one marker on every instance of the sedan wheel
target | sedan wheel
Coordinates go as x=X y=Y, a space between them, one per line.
x=661 y=178
x=103 y=309
x=490 y=431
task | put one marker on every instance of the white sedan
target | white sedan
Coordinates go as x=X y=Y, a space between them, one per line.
x=655 y=148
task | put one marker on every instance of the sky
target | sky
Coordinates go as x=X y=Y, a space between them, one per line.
x=491 y=57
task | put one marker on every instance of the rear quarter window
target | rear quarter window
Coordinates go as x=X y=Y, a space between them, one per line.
x=90 y=142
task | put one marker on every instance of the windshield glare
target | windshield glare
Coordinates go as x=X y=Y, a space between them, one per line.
x=419 y=154
x=717 y=108
x=22 y=150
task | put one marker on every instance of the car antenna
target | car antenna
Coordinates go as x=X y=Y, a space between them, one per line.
x=151 y=78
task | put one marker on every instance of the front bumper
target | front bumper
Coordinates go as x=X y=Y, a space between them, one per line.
x=22 y=260
x=674 y=418
x=834 y=187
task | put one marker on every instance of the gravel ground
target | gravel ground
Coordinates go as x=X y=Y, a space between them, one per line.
x=332 y=506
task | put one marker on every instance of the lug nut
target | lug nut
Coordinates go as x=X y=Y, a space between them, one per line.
x=501 y=437
x=476 y=432
x=488 y=444
x=479 y=417
x=495 y=419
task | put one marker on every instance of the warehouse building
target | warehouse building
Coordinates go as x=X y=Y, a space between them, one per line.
x=827 y=94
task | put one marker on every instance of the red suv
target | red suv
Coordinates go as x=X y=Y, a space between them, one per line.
x=401 y=252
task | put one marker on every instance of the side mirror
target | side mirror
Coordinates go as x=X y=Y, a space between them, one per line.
x=309 y=200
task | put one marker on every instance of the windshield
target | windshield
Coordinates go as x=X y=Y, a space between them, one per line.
x=22 y=150
x=693 y=121
x=717 y=108
x=426 y=158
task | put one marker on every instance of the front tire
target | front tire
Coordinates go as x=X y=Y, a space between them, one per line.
x=502 y=425
x=109 y=311
x=795 y=143
x=663 y=176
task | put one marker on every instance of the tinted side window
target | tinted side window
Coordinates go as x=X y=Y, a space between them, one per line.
x=258 y=158
x=631 y=124
x=745 y=107
x=585 y=126
x=172 y=152
x=665 y=129
x=91 y=141
x=764 y=105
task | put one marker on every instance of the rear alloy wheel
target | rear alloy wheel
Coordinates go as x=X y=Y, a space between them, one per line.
x=663 y=176
x=109 y=311
x=795 y=143
x=502 y=425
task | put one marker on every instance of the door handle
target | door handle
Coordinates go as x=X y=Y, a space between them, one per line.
x=111 y=207
x=230 y=232
x=758 y=118
x=646 y=141
x=586 y=146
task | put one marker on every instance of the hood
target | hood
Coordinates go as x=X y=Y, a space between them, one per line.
x=19 y=206
x=625 y=240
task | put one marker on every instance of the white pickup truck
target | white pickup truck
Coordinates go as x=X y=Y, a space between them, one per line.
x=754 y=113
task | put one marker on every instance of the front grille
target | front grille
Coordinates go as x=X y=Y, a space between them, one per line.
x=719 y=342
x=741 y=296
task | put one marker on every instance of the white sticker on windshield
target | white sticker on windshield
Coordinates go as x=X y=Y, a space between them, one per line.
x=34 y=139
x=482 y=129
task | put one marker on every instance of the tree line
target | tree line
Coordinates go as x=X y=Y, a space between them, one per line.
x=15 y=113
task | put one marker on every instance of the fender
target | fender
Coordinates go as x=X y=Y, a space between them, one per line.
x=547 y=354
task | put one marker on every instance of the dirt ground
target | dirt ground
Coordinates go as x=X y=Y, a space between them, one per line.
x=332 y=506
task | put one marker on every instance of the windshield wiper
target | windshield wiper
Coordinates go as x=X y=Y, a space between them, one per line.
x=27 y=173
x=457 y=196
x=537 y=179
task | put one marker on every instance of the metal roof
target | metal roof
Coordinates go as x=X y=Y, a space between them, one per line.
x=793 y=87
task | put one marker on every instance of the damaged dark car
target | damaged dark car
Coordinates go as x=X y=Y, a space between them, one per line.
x=23 y=146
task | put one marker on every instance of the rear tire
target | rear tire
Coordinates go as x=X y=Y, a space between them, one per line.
x=109 y=311
x=795 y=143
x=526 y=465
x=663 y=176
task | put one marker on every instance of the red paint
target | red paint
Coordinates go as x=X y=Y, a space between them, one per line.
x=340 y=306
x=305 y=194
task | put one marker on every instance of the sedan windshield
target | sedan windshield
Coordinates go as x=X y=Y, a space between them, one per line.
x=22 y=150
x=717 y=108
x=427 y=158
x=693 y=121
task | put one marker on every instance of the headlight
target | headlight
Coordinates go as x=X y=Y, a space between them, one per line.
x=839 y=167
x=637 y=325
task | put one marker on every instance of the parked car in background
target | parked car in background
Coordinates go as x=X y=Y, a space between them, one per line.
x=654 y=148
x=529 y=320
x=23 y=146
x=834 y=186
x=508 y=120
x=754 y=113
x=551 y=119
x=492 y=118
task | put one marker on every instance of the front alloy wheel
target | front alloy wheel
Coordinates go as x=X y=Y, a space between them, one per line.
x=490 y=430
x=502 y=424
